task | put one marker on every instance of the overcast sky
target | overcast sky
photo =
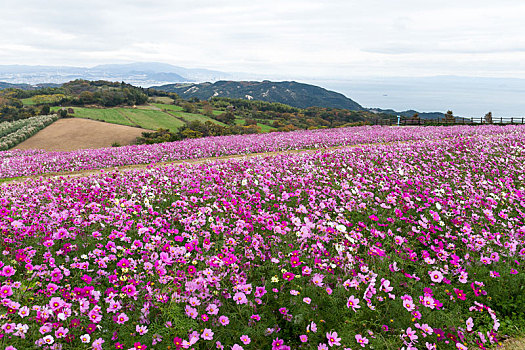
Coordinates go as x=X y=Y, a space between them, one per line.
x=339 y=38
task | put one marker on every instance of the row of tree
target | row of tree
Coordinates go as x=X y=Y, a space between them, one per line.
x=196 y=129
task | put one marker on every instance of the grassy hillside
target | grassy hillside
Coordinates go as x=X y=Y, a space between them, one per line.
x=160 y=116
x=153 y=120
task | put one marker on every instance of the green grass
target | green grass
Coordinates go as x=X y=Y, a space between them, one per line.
x=152 y=120
x=264 y=127
x=145 y=118
x=7 y=179
x=109 y=115
x=149 y=118
x=168 y=107
x=28 y=101
x=191 y=117
x=215 y=111
x=162 y=99
x=188 y=117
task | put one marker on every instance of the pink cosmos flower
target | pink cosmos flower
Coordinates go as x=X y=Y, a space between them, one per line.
x=224 y=320
x=122 y=318
x=260 y=291
x=470 y=324
x=312 y=326
x=141 y=329
x=129 y=290
x=212 y=309
x=8 y=271
x=361 y=340
x=353 y=303
x=207 y=334
x=409 y=304
x=288 y=276
x=45 y=329
x=240 y=298
x=191 y=312
x=23 y=311
x=303 y=338
x=333 y=339
x=8 y=328
x=5 y=291
x=436 y=276
x=411 y=334
x=277 y=343
x=123 y=263
x=245 y=339
x=318 y=280
x=61 y=332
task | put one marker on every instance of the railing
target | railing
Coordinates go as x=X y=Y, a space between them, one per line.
x=481 y=120
x=455 y=121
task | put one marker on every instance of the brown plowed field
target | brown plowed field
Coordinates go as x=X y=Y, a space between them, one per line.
x=76 y=133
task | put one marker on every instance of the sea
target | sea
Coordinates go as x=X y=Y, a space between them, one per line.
x=465 y=96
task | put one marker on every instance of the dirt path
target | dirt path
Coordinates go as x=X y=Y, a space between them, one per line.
x=69 y=174
x=78 y=133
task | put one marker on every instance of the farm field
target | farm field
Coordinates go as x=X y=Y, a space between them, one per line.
x=151 y=117
x=144 y=118
x=414 y=240
x=109 y=115
x=76 y=133
x=188 y=117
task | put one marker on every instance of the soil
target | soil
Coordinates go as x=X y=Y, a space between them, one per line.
x=76 y=133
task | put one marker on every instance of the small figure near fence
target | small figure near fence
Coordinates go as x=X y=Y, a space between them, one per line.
x=488 y=118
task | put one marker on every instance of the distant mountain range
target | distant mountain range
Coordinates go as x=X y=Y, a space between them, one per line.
x=410 y=113
x=287 y=92
x=4 y=85
x=139 y=74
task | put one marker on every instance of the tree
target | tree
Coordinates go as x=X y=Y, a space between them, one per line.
x=62 y=113
x=227 y=117
x=249 y=121
x=188 y=107
x=488 y=118
x=207 y=110
x=449 y=117
x=45 y=110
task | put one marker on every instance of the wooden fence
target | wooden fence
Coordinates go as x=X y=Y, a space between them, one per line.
x=456 y=121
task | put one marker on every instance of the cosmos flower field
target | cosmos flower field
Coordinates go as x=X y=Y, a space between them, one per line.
x=16 y=163
x=414 y=245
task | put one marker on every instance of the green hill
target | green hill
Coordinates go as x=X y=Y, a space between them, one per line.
x=287 y=92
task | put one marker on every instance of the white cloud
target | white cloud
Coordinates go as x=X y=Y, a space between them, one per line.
x=338 y=38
